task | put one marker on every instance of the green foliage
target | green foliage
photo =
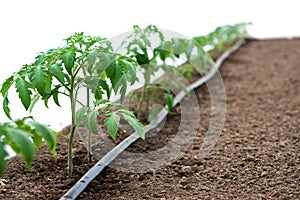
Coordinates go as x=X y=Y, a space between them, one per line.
x=152 y=58
x=112 y=122
x=90 y=62
x=24 y=138
x=222 y=38
x=83 y=62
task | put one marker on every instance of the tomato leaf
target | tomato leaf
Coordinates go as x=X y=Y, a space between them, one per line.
x=112 y=123
x=47 y=134
x=68 y=58
x=134 y=122
x=5 y=106
x=169 y=99
x=3 y=155
x=105 y=86
x=80 y=115
x=22 y=87
x=39 y=78
x=57 y=71
x=6 y=85
x=21 y=144
x=91 y=121
x=33 y=102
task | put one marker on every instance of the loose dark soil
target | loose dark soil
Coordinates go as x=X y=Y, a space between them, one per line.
x=257 y=155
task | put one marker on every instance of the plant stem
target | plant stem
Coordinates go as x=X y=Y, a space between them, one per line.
x=89 y=134
x=146 y=97
x=72 y=131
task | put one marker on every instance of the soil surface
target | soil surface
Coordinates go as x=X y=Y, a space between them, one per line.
x=256 y=156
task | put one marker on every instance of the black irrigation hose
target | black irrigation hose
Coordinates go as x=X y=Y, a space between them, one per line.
x=78 y=188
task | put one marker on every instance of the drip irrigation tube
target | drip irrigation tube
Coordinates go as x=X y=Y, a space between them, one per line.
x=78 y=188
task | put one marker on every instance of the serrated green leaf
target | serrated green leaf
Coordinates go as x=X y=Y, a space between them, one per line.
x=24 y=92
x=6 y=85
x=91 y=121
x=130 y=70
x=112 y=123
x=114 y=73
x=105 y=60
x=39 y=78
x=3 y=155
x=33 y=102
x=21 y=144
x=91 y=59
x=123 y=91
x=80 y=115
x=105 y=86
x=68 y=58
x=135 y=123
x=55 y=96
x=57 y=71
x=40 y=59
x=47 y=134
x=5 y=106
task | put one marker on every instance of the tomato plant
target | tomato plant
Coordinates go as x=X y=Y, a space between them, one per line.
x=24 y=136
x=83 y=62
x=222 y=38
x=140 y=46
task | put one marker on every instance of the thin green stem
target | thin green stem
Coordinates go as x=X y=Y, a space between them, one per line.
x=73 y=128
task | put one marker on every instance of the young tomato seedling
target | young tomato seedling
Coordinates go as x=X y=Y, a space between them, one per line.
x=83 y=62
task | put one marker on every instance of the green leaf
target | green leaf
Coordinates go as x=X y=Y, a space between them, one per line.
x=130 y=70
x=21 y=144
x=80 y=115
x=6 y=85
x=47 y=134
x=37 y=140
x=91 y=59
x=112 y=123
x=101 y=101
x=68 y=58
x=39 y=78
x=189 y=48
x=134 y=122
x=5 y=106
x=164 y=50
x=40 y=59
x=105 y=60
x=169 y=99
x=178 y=46
x=3 y=154
x=91 y=121
x=33 y=102
x=105 y=86
x=55 y=96
x=123 y=91
x=57 y=71
x=22 y=87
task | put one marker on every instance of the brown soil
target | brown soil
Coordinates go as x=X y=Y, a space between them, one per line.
x=256 y=157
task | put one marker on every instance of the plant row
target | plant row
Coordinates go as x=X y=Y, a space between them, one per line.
x=90 y=63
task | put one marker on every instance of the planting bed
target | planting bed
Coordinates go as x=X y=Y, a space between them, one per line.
x=256 y=157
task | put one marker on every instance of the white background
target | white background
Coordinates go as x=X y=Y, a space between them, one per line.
x=31 y=26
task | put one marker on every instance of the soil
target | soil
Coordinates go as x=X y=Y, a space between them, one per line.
x=256 y=156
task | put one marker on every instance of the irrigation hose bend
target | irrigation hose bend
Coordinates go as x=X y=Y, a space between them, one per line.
x=78 y=188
